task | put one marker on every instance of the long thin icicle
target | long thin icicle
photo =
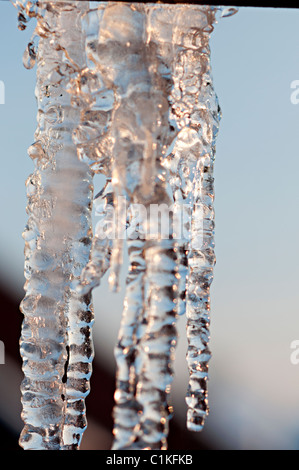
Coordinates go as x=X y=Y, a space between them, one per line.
x=127 y=410
x=197 y=90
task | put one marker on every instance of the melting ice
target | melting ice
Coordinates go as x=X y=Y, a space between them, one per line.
x=124 y=90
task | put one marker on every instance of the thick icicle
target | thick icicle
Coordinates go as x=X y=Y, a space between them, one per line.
x=141 y=130
x=80 y=311
x=128 y=66
x=56 y=343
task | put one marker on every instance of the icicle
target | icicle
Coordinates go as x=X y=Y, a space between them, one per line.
x=197 y=90
x=136 y=127
x=157 y=346
x=127 y=410
x=56 y=343
x=201 y=261
x=80 y=311
x=147 y=337
x=94 y=145
x=100 y=254
x=141 y=129
x=228 y=11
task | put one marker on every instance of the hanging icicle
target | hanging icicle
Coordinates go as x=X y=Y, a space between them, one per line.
x=127 y=411
x=140 y=130
x=56 y=343
x=196 y=110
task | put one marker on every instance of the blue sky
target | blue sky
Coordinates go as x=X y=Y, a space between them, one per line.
x=255 y=297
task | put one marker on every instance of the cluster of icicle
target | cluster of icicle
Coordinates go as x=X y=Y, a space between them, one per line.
x=127 y=88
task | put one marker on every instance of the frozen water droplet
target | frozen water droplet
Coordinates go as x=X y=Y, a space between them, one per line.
x=29 y=57
x=230 y=11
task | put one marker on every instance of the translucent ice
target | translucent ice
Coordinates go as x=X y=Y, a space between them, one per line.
x=125 y=90
x=56 y=343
